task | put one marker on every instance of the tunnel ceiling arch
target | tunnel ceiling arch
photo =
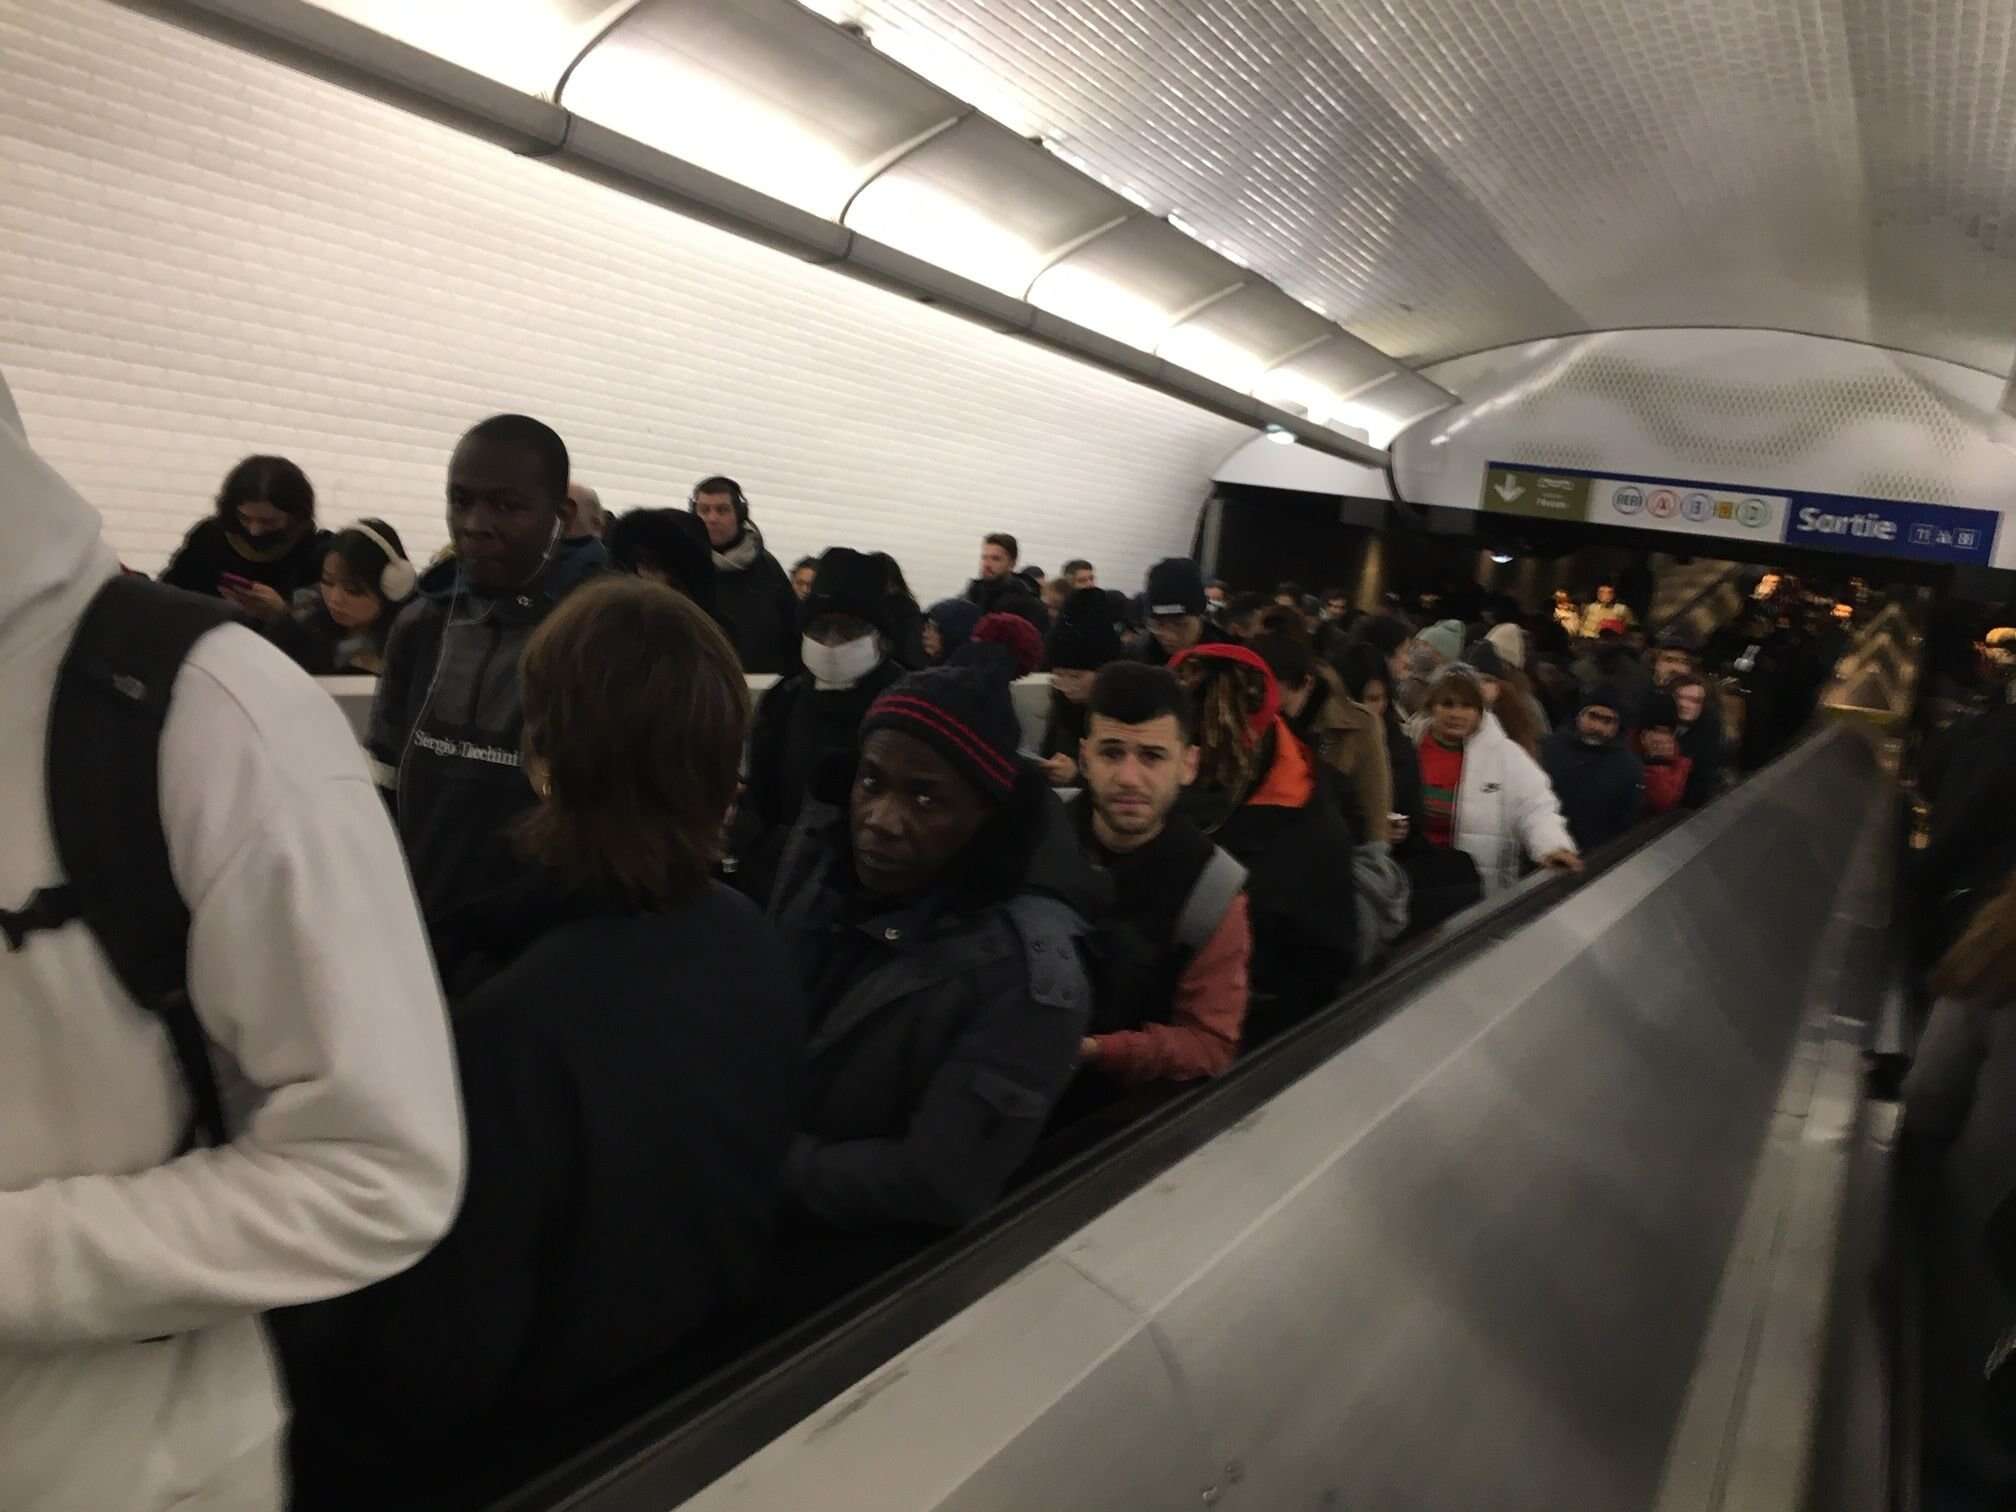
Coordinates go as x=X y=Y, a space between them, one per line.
x=893 y=139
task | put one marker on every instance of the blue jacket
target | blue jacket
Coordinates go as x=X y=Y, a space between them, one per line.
x=944 y=1031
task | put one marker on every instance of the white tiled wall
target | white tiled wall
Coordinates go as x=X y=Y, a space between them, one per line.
x=205 y=254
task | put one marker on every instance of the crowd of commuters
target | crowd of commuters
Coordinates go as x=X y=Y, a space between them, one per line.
x=882 y=942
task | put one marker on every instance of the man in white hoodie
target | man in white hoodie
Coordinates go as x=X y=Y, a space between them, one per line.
x=134 y=1373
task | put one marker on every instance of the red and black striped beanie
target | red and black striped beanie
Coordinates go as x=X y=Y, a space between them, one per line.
x=962 y=712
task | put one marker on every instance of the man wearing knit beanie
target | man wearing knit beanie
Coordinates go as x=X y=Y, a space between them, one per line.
x=933 y=901
x=1083 y=640
x=1176 y=610
x=1597 y=779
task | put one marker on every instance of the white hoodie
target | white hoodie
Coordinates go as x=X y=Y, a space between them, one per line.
x=310 y=972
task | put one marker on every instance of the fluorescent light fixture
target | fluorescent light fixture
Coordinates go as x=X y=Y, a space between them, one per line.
x=913 y=216
x=1502 y=558
x=523 y=43
x=1203 y=351
x=662 y=98
x=1280 y=435
x=1099 y=304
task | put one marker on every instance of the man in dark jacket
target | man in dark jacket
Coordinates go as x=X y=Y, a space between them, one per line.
x=933 y=901
x=999 y=553
x=752 y=594
x=1177 y=614
x=816 y=714
x=1597 y=780
x=448 y=712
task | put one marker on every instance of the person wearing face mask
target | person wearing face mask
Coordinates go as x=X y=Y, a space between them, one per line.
x=343 y=624
x=1597 y=779
x=260 y=548
x=1082 y=642
x=814 y=714
x=753 y=596
x=1483 y=795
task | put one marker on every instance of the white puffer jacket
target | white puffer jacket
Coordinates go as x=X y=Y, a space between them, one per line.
x=1506 y=811
x=134 y=1374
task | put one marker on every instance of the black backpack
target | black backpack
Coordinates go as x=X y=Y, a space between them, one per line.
x=104 y=782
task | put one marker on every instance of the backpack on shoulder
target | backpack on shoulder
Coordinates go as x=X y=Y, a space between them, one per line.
x=103 y=777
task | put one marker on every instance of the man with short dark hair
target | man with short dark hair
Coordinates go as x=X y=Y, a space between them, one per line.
x=446 y=722
x=1079 y=573
x=753 y=598
x=1242 y=616
x=1176 y=613
x=1178 y=937
x=1603 y=610
x=802 y=573
x=1596 y=778
x=999 y=552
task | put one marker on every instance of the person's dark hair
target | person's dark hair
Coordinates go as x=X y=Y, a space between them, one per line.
x=893 y=580
x=1337 y=593
x=536 y=437
x=802 y=563
x=1073 y=565
x=637 y=708
x=1288 y=657
x=1006 y=542
x=1227 y=697
x=720 y=483
x=1361 y=665
x=1384 y=633
x=275 y=480
x=1243 y=605
x=1279 y=619
x=363 y=559
x=1288 y=588
x=1135 y=693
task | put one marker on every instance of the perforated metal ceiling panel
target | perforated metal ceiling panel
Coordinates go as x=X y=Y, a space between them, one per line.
x=1444 y=176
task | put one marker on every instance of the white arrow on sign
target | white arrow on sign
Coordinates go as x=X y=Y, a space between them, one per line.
x=1508 y=490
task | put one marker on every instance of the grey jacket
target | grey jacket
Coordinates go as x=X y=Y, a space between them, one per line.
x=943 y=1031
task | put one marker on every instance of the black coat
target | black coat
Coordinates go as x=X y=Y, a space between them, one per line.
x=1600 y=788
x=1145 y=648
x=631 y=1083
x=754 y=603
x=1301 y=895
x=207 y=554
x=944 y=1029
x=1972 y=847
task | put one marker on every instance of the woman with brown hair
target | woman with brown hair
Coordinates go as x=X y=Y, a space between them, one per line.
x=1960 y=1111
x=1266 y=798
x=631 y=1068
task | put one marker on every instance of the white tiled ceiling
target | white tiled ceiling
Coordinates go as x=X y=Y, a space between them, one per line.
x=1443 y=176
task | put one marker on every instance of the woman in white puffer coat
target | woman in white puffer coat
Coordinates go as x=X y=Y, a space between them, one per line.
x=1481 y=793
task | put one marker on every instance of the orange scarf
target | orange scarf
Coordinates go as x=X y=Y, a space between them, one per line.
x=1291 y=781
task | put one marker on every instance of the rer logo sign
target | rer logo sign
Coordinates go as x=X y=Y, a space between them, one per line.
x=1885 y=527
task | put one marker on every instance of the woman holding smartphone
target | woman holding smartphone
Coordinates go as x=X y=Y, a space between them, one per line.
x=261 y=546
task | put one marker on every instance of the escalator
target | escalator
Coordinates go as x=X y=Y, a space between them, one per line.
x=1472 y=1237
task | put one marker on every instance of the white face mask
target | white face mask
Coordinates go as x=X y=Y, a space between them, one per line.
x=843 y=665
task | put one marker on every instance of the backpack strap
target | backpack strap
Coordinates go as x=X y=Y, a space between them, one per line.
x=104 y=784
x=1210 y=895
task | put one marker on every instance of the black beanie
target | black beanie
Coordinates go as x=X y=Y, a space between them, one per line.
x=848 y=582
x=1485 y=658
x=1602 y=696
x=965 y=714
x=1661 y=712
x=1084 y=639
x=673 y=541
x=1175 y=586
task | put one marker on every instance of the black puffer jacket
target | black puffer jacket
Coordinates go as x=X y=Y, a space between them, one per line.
x=754 y=602
x=447 y=720
x=944 y=1029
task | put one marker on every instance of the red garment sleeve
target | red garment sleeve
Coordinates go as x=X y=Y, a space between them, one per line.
x=1202 y=1036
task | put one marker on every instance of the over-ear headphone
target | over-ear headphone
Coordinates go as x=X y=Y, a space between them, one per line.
x=719 y=484
x=397 y=579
